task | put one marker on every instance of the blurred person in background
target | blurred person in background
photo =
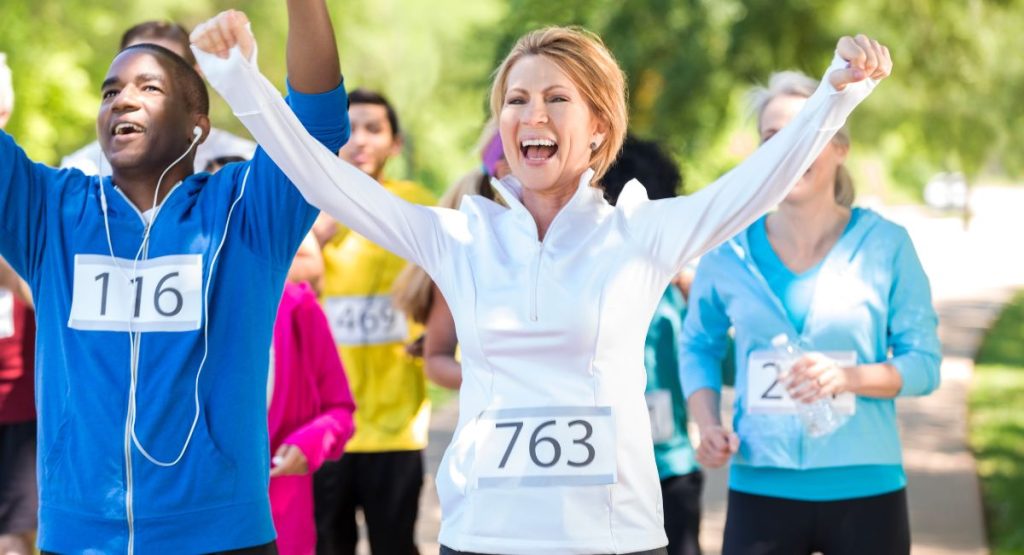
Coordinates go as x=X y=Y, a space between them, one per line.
x=845 y=285
x=310 y=412
x=418 y=296
x=18 y=496
x=381 y=473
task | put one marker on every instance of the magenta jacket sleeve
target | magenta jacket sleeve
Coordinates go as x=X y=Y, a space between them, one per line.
x=323 y=437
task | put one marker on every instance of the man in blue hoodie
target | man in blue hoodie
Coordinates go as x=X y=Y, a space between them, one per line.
x=156 y=292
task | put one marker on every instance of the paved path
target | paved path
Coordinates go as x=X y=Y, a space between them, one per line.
x=972 y=273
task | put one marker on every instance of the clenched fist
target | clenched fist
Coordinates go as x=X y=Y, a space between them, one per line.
x=224 y=31
x=867 y=58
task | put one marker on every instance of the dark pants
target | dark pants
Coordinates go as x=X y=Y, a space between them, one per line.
x=759 y=525
x=387 y=488
x=19 y=502
x=680 y=496
x=448 y=551
x=266 y=549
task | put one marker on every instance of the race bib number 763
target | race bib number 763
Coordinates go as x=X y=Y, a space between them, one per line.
x=158 y=294
x=546 y=446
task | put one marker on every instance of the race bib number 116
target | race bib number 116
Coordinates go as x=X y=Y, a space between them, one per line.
x=158 y=294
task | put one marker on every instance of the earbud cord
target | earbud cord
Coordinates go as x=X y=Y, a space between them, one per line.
x=206 y=344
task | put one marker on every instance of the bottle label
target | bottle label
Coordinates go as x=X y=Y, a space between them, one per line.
x=765 y=395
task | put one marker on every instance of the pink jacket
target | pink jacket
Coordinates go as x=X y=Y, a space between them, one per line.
x=311 y=408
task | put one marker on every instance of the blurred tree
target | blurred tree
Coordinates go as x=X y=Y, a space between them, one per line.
x=951 y=104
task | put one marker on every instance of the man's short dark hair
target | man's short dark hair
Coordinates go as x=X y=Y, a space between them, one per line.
x=165 y=30
x=182 y=75
x=366 y=96
x=646 y=162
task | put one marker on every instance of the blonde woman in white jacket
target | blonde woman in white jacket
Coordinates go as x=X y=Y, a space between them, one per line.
x=552 y=294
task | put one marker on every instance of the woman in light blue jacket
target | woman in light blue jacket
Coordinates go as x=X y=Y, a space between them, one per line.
x=846 y=285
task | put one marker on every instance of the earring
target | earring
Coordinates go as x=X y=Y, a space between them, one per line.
x=593 y=145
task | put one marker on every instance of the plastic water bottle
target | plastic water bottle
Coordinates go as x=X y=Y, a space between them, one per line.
x=820 y=418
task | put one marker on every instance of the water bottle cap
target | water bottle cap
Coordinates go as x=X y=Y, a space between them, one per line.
x=780 y=340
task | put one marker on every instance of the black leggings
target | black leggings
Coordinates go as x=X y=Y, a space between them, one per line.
x=450 y=551
x=759 y=525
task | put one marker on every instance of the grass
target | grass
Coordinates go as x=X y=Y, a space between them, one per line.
x=996 y=406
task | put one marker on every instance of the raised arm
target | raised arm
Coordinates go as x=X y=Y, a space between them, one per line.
x=413 y=232
x=678 y=229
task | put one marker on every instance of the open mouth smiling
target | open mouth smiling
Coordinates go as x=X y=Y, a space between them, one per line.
x=538 y=150
x=126 y=128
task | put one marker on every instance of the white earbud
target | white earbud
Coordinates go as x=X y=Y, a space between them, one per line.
x=197 y=132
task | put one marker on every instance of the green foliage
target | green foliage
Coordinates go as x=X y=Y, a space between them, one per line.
x=996 y=407
x=951 y=104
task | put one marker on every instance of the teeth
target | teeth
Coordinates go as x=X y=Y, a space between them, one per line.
x=122 y=128
x=538 y=142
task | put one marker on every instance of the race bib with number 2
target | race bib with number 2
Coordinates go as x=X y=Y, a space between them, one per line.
x=546 y=446
x=766 y=395
x=162 y=294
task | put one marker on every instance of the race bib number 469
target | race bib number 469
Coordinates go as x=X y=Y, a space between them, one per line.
x=158 y=294
x=365 y=320
x=546 y=446
x=767 y=395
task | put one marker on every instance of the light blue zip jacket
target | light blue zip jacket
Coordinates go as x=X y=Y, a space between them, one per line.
x=872 y=297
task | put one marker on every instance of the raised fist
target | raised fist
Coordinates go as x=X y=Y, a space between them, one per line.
x=867 y=58
x=225 y=30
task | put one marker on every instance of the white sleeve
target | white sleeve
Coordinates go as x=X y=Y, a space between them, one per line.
x=676 y=230
x=414 y=232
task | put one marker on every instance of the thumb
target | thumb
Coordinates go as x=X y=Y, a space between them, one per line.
x=842 y=77
x=734 y=442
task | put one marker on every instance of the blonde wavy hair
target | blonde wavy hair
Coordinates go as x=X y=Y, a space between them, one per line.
x=794 y=83
x=585 y=59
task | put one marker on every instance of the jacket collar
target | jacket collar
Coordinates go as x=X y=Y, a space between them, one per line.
x=511 y=191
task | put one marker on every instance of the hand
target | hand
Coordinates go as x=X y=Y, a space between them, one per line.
x=324 y=228
x=225 y=30
x=867 y=58
x=289 y=461
x=813 y=377
x=415 y=347
x=717 y=445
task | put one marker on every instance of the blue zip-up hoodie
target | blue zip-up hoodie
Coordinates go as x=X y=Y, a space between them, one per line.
x=91 y=475
x=872 y=297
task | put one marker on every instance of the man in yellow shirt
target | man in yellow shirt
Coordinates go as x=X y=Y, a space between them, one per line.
x=382 y=469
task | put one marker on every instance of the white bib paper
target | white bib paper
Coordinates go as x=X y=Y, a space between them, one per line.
x=163 y=294
x=6 y=313
x=659 y=409
x=365 y=320
x=545 y=447
x=765 y=395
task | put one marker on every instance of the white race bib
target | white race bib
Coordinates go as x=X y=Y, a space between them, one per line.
x=163 y=294
x=546 y=446
x=765 y=395
x=365 y=320
x=659 y=409
x=6 y=313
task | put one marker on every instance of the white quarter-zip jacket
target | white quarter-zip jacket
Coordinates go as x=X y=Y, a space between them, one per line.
x=553 y=452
